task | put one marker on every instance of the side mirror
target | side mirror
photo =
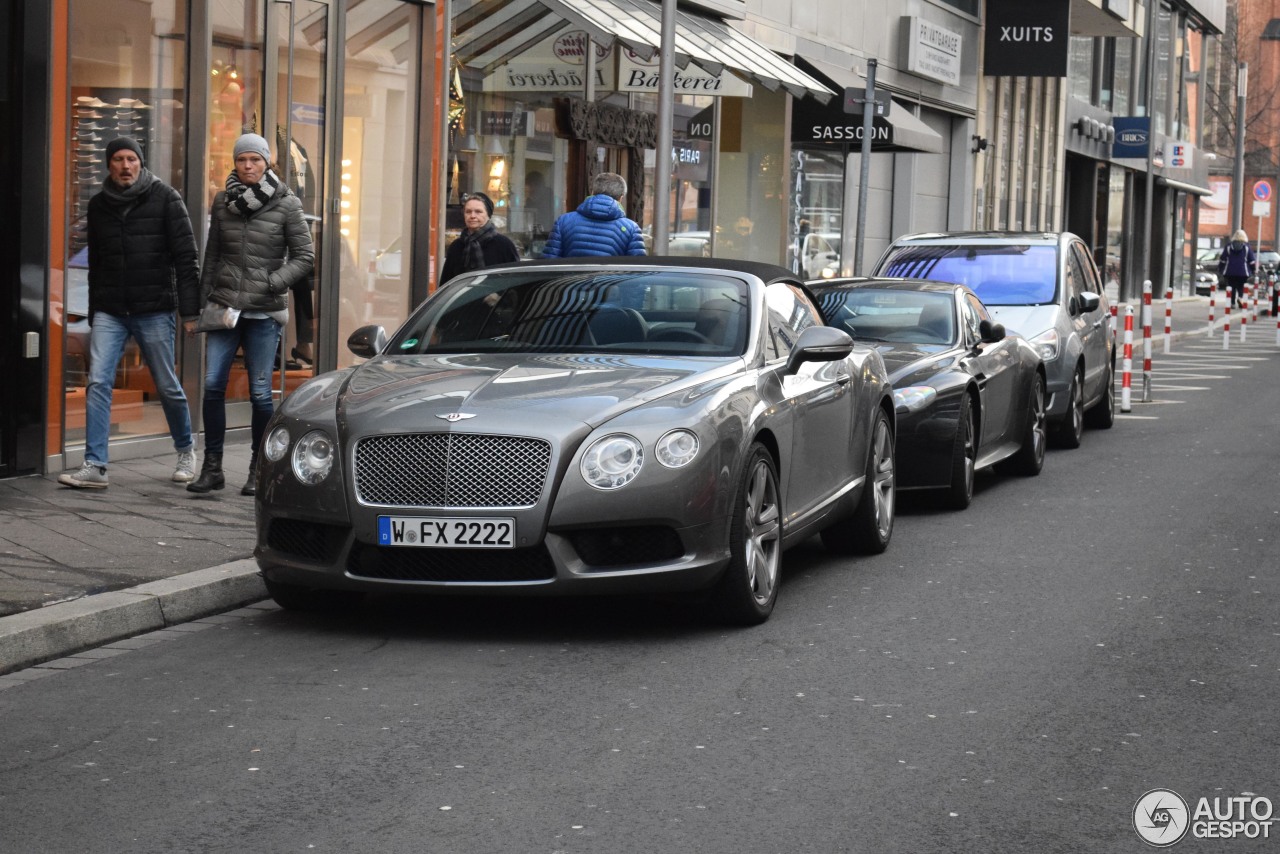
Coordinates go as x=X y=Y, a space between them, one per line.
x=819 y=344
x=1089 y=302
x=367 y=341
x=991 y=332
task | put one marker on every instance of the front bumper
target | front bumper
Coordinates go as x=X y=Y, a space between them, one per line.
x=620 y=559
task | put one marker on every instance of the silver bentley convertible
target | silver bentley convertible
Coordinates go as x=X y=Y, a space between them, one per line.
x=625 y=425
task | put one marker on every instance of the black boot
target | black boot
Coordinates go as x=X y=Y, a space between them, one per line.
x=210 y=475
x=251 y=485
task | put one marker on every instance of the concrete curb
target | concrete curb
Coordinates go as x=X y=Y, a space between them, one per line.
x=32 y=637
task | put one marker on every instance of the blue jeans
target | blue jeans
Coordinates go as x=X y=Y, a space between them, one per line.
x=154 y=333
x=259 y=337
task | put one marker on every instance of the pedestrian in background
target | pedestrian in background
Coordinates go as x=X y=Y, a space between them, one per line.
x=480 y=245
x=599 y=226
x=1237 y=265
x=259 y=246
x=143 y=264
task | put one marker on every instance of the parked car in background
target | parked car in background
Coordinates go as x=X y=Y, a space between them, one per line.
x=968 y=395
x=571 y=427
x=690 y=244
x=1044 y=286
x=820 y=254
x=1268 y=260
x=1203 y=281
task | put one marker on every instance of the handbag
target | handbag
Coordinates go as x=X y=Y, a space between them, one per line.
x=215 y=316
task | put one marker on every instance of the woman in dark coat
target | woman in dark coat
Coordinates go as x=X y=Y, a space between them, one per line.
x=480 y=245
x=259 y=246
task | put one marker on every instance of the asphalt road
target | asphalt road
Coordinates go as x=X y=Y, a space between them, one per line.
x=1012 y=677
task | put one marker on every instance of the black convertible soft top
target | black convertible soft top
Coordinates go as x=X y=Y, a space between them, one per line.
x=765 y=272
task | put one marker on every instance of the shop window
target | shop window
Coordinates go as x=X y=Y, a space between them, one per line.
x=126 y=78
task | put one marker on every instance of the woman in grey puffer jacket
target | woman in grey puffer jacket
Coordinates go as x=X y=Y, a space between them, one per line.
x=258 y=246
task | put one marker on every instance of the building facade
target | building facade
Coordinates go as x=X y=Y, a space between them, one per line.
x=384 y=113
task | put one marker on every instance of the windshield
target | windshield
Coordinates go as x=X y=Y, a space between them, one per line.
x=1000 y=275
x=544 y=310
x=884 y=314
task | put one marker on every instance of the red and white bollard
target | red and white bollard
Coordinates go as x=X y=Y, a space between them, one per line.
x=1126 y=369
x=1255 y=292
x=1168 y=318
x=1146 y=341
x=1244 y=312
x=1226 y=322
x=1213 y=298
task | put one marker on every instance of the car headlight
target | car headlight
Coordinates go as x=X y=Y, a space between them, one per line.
x=1047 y=343
x=677 y=448
x=277 y=444
x=913 y=398
x=313 y=457
x=612 y=462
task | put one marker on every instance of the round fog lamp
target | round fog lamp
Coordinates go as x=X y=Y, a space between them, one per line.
x=277 y=444
x=677 y=448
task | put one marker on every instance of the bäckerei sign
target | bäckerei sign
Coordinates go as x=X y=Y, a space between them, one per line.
x=1027 y=39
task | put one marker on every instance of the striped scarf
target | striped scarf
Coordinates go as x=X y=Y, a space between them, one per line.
x=246 y=199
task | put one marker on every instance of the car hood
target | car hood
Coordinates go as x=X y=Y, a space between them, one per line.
x=905 y=360
x=1026 y=320
x=533 y=392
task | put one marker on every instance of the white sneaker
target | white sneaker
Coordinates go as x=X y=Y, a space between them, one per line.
x=186 y=470
x=88 y=477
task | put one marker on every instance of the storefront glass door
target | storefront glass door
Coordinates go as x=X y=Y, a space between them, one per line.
x=375 y=187
x=126 y=77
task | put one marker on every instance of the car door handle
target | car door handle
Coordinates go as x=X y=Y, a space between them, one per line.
x=843 y=377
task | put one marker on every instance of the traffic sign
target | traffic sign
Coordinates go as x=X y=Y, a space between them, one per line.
x=1262 y=191
x=1261 y=210
x=856 y=96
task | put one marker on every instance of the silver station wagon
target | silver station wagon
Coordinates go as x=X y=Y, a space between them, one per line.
x=620 y=426
x=1043 y=286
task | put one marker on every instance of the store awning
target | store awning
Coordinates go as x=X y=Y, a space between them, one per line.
x=490 y=34
x=827 y=124
x=1183 y=186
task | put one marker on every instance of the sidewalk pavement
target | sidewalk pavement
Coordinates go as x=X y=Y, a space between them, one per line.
x=80 y=568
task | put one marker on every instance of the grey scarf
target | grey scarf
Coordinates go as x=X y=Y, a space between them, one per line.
x=127 y=197
x=473 y=245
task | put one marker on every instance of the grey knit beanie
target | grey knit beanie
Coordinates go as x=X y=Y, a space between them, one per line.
x=128 y=142
x=251 y=142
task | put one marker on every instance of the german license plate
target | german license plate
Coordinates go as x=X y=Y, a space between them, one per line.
x=446 y=532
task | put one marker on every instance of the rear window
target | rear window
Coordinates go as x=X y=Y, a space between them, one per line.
x=1000 y=275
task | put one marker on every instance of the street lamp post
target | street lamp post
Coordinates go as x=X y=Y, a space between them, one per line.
x=1237 y=210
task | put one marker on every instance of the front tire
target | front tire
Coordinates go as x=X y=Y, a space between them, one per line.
x=964 y=452
x=871 y=527
x=1029 y=459
x=1070 y=431
x=748 y=590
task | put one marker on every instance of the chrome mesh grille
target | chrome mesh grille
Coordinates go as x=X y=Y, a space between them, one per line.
x=451 y=470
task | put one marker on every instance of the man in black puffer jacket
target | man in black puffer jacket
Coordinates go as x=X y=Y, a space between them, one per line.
x=143 y=264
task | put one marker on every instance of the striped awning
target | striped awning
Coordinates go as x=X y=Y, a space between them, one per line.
x=489 y=34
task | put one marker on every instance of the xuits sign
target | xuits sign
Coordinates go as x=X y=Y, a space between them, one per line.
x=1027 y=39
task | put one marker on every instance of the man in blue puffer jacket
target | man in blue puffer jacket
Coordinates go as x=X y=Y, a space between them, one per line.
x=598 y=226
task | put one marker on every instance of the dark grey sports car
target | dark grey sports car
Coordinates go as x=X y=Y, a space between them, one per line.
x=558 y=428
x=968 y=395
